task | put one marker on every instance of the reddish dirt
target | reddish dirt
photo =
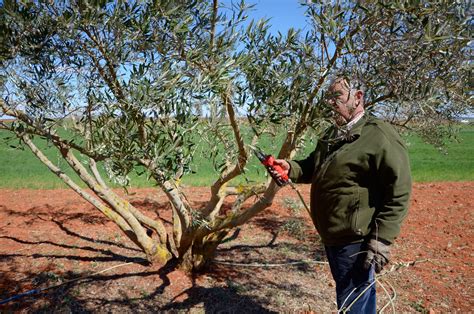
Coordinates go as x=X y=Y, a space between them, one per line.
x=50 y=236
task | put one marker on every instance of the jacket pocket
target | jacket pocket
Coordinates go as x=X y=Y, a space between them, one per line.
x=362 y=214
x=355 y=208
x=334 y=215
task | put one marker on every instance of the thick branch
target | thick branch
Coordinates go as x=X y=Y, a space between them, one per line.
x=242 y=159
x=96 y=203
x=178 y=203
x=217 y=207
x=156 y=225
x=95 y=172
x=122 y=207
x=245 y=195
x=177 y=228
x=289 y=144
x=233 y=220
x=171 y=192
x=265 y=201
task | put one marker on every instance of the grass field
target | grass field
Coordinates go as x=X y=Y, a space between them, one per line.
x=21 y=169
x=456 y=163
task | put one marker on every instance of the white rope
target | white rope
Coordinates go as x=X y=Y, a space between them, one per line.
x=268 y=264
x=36 y=291
x=391 y=299
x=394 y=268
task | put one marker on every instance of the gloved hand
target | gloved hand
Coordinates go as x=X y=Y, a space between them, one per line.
x=378 y=254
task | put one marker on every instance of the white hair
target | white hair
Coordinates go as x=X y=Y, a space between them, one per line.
x=354 y=82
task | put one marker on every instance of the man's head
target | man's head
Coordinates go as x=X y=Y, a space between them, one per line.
x=346 y=99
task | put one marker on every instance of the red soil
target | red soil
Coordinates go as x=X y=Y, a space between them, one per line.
x=49 y=236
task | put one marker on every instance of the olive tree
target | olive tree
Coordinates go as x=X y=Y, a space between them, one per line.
x=137 y=84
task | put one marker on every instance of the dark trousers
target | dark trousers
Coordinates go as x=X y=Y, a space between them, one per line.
x=351 y=279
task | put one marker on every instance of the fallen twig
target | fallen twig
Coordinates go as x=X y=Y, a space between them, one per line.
x=391 y=298
x=394 y=268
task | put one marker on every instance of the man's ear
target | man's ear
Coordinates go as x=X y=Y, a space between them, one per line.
x=359 y=95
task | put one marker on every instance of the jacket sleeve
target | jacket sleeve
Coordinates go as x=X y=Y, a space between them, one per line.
x=395 y=179
x=301 y=171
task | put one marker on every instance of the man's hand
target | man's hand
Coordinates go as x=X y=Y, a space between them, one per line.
x=378 y=254
x=284 y=165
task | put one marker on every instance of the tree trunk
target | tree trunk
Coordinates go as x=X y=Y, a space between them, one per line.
x=198 y=257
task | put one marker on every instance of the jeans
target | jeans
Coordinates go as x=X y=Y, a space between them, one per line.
x=351 y=279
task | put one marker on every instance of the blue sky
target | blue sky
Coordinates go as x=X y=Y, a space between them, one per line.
x=284 y=14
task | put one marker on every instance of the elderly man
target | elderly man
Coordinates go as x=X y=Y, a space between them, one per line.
x=360 y=189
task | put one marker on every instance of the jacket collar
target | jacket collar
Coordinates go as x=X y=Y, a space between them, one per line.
x=356 y=129
x=348 y=135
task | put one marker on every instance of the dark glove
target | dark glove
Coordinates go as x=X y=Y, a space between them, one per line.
x=378 y=254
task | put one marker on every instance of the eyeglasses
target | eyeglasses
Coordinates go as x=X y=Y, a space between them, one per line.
x=335 y=98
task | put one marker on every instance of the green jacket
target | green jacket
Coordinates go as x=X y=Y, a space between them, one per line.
x=360 y=184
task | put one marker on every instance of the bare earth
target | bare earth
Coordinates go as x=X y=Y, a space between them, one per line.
x=50 y=236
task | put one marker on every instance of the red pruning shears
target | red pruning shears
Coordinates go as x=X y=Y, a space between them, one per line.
x=269 y=162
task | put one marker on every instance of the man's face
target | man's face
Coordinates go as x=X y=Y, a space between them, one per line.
x=344 y=101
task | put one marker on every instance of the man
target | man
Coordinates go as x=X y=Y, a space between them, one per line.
x=360 y=190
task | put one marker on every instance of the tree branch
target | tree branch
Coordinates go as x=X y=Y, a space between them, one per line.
x=109 y=213
x=213 y=25
x=322 y=78
x=233 y=220
x=123 y=207
x=241 y=159
x=95 y=172
x=156 y=225
x=171 y=192
x=178 y=203
x=379 y=99
x=38 y=131
x=113 y=74
x=244 y=195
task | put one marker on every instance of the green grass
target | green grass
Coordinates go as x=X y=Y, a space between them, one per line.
x=21 y=169
x=455 y=163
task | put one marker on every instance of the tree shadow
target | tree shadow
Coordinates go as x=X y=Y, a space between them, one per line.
x=246 y=247
x=35 y=213
x=217 y=300
x=230 y=298
x=109 y=255
x=58 y=217
x=112 y=258
x=62 y=298
x=212 y=299
x=267 y=224
x=77 y=235
x=148 y=205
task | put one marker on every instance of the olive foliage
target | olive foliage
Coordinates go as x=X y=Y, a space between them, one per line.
x=137 y=84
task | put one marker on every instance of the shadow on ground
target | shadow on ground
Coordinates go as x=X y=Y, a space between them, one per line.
x=228 y=289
